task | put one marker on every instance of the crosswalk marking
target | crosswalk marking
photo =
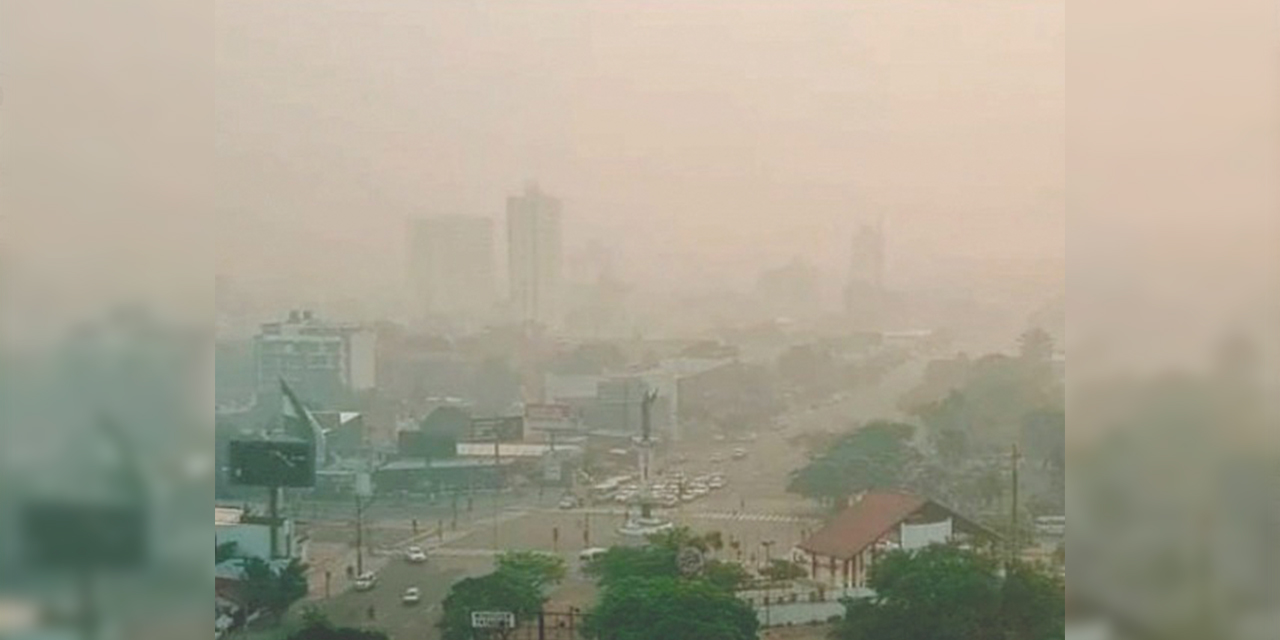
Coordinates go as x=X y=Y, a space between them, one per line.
x=703 y=515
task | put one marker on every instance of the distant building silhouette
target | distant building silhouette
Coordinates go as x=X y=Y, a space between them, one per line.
x=864 y=294
x=535 y=256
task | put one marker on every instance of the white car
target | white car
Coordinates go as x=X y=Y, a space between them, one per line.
x=411 y=596
x=568 y=502
x=739 y=454
x=716 y=483
x=366 y=581
x=415 y=554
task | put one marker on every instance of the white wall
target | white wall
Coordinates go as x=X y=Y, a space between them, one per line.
x=253 y=540
x=363 y=365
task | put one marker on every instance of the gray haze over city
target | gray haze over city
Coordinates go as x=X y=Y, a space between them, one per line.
x=693 y=146
x=592 y=320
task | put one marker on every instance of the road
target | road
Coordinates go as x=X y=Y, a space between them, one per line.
x=400 y=621
x=753 y=508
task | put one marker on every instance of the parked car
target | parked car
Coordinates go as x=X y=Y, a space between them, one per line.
x=739 y=453
x=366 y=582
x=569 y=502
x=415 y=555
x=411 y=596
x=589 y=555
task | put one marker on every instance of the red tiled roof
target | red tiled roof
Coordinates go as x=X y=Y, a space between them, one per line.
x=857 y=527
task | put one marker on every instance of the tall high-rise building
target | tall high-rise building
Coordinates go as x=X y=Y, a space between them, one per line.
x=452 y=266
x=864 y=289
x=534 y=247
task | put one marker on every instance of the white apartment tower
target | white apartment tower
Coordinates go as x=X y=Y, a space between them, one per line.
x=535 y=254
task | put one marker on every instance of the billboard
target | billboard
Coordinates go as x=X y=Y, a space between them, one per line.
x=547 y=412
x=430 y=446
x=504 y=429
x=273 y=463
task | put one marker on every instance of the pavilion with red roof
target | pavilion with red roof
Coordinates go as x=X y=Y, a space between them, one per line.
x=842 y=552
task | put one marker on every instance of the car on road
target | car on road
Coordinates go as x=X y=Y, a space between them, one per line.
x=366 y=581
x=589 y=555
x=411 y=596
x=415 y=554
x=739 y=453
x=716 y=482
x=568 y=502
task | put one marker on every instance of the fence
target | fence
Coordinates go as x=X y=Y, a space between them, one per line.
x=549 y=625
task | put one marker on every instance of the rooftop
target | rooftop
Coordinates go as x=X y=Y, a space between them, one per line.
x=874 y=515
x=224 y=516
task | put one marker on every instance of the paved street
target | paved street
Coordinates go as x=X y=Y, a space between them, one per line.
x=400 y=621
x=754 y=507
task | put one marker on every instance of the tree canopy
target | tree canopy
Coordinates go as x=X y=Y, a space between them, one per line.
x=658 y=558
x=541 y=569
x=947 y=593
x=876 y=456
x=620 y=563
x=645 y=595
x=671 y=609
x=316 y=626
x=273 y=590
x=781 y=569
x=502 y=590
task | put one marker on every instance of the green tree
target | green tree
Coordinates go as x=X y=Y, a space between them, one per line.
x=1031 y=605
x=541 y=569
x=877 y=456
x=621 y=563
x=728 y=576
x=671 y=609
x=1035 y=345
x=678 y=538
x=273 y=590
x=947 y=593
x=781 y=570
x=502 y=590
x=316 y=626
x=225 y=551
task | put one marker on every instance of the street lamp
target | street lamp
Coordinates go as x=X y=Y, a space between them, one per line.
x=768 y=585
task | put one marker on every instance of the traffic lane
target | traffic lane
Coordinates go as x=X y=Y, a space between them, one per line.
x=562 y=533
x=398 y=620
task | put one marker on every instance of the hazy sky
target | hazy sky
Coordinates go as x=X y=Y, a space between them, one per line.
x=706 y=139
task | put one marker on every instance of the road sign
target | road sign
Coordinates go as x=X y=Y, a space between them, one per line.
x=364 y=485
x=690 y=561
x=493 y=620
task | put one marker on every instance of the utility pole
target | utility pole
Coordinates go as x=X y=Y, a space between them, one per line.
x=273 y=512
x=359 y=536
x=1014 y=457
x=497 y=471
x=768 y=545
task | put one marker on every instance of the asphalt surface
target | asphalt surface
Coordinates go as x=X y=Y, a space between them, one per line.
x=752 y=509
x=400 y=621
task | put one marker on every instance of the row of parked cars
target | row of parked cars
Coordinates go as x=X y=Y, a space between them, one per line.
x=673 y=489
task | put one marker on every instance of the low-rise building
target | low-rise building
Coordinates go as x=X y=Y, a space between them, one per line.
x=841 y=553
x=252 y=534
